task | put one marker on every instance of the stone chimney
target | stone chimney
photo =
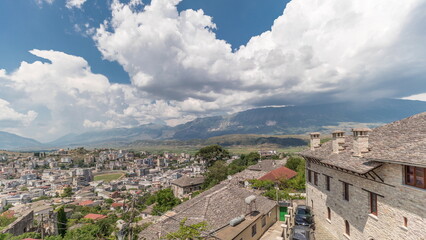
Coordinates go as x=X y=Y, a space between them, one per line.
x=315 y=140
x=360 y=144
x=338 y=141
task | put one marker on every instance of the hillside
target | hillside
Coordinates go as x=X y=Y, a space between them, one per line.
x=9 y=141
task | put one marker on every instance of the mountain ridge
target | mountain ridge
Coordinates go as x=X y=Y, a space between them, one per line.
x=287 y=120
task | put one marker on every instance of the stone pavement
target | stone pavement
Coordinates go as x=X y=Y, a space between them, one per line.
x=321 y=233
x=274 y=232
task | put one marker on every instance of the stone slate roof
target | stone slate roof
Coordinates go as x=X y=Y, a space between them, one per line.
x=400 y=142
x=186 y=181
x=217 y=206
x=267 y=165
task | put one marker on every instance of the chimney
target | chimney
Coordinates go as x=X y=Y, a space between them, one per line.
x=315 y=140
x=338 y=141
x=360 y=144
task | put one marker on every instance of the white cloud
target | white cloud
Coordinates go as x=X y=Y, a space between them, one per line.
x=317 y=50
x=329 y=49
x=9 y=114
x=74 y=3
x=40 y=2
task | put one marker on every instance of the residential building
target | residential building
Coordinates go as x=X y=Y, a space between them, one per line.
x=231 y=212
x=370 y=185
x=185 y=185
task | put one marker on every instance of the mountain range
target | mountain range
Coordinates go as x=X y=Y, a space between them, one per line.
x=269 y=120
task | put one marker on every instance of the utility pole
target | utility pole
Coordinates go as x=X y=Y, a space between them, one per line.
x=41 y=227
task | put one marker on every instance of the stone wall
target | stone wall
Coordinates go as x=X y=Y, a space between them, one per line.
x=21 y=225
x=398 y=201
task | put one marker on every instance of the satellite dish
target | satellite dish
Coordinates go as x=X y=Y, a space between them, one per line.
x=229 y=177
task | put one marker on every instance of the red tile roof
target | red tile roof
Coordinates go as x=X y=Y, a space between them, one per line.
x=279 y=173
x=86 y=203
x=114 y=205
x=94 y=216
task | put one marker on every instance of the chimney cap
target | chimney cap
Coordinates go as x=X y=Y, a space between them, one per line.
x=314 y=133
x=338 y=131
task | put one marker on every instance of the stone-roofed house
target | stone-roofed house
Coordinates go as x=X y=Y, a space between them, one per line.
x=370 y=185
x=217 y=207
x=186 y=185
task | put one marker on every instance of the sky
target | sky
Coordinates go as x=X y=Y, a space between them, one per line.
x=70 y=66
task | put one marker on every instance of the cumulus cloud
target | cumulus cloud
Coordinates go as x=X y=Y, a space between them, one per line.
x=74 y=3
x=316 y=51
x=8 y=114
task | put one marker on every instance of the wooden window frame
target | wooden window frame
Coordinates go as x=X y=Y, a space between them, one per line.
x=328 y=213
x=327 y=182
x=373 y=203
x=309 y=176
x=345 y=191
x=253 y=230
x=315 y=178
x=414 y=183
x=347 y=228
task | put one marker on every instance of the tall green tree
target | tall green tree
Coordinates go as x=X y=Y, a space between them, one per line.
x=215 y=174
x=213 y=153
x=62 y=221
x=165 y=200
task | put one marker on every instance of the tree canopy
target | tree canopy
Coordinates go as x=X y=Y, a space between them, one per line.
x=213 y=153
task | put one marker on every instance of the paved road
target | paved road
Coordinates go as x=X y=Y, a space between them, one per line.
x=274 y=232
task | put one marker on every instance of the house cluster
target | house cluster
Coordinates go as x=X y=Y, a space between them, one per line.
x=370 y=184
x=231 y=209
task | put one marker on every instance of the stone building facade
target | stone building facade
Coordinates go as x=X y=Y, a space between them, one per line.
x=361 y=186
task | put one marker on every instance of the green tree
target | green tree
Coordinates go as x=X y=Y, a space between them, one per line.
x=188 y=232
x=293 y=162
x=62 y=221
x=215 y=174
x=165 y=200
x=212 y=153
x=67 y=192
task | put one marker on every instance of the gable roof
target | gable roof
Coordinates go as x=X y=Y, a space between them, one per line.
x=267 y=165
x=278 y=174
x=400 y=142
x=186 y=181
x=217 y=206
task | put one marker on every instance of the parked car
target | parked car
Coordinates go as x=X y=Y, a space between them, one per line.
x=299 y=232
x=304 y=216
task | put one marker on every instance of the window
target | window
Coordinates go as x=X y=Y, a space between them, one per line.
x=405 y=222
x=316 y=178
x=263 y=221
x=415 y=176
x=347 y=228
x=373 y=203
x=327 y=183
x=309 y=176
x=253 y=230
x=328 y=213
x=345 y=191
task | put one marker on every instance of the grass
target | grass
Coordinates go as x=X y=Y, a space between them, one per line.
x=108 y=177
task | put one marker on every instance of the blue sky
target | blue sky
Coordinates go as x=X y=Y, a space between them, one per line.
x=71 y=66
x=52 y=26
